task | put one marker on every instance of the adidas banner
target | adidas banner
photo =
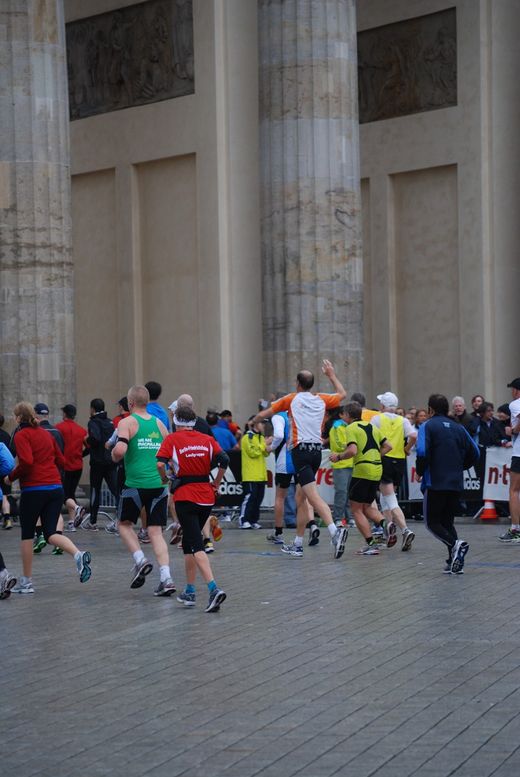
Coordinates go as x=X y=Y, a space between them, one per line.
x=489 y=479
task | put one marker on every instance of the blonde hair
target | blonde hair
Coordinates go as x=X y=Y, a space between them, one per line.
x=139 y=395
x=25 y=411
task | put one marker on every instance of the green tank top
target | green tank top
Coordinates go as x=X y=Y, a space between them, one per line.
x=140 y=457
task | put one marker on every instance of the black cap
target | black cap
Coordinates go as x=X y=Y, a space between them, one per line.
x=69 y=410
x=41 y=409
x=514 y=384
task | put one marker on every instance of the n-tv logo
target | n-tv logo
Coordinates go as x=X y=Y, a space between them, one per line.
x=471 y=480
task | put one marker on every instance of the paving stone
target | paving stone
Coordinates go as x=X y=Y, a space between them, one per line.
x=366 y=666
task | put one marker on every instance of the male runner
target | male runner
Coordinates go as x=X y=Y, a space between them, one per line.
x=444 y=450
x=366 y=445
x=74 y=442
x=306 y=411
x=395 y=429
x=513 y=533
x=139 y=438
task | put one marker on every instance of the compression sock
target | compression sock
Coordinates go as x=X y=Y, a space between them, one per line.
x=165 y=573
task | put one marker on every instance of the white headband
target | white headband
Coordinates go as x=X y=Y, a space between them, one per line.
x=177 y=421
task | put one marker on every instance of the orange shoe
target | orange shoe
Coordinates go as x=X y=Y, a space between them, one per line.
x=216 y=529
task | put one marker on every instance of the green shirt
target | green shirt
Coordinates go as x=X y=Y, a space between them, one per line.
x=140 y=457
x=367 y=461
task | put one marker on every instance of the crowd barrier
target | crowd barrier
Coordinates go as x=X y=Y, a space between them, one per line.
x=489 y=479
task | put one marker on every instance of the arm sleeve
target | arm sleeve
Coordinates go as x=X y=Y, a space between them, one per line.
x=421 y=448
x=220 y=459
x=331 y=400
x=278 y=431
x=472 y=453
x=94 y=437
x=282 y=404
x=165 y=451
x=252 y=446
x=25 y=457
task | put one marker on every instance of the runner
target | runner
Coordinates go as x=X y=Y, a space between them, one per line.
x=191 y=455
x=102 y=468
x=513 y=533
x=398 y=431
x=74 y=442
x=366 y=445
x=39 y=462
x=306 y=411
x=284 y=473
x=7 y=581
x=139 y=438
x=444 y=450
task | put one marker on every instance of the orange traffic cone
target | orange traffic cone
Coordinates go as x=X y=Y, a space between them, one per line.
x=488 y=513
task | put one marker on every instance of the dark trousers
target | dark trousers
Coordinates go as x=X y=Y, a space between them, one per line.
x=440 y=508
x=253 y=495
x=2 y=563
x=100 y=472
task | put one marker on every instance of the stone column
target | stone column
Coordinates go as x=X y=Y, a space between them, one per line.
x=36 y=283
x=310 y=189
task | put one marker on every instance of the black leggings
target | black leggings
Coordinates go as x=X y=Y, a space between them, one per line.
x=40 y=504
x=439 y=514
x=2 y=563
x=98 y=473
x=192 y=518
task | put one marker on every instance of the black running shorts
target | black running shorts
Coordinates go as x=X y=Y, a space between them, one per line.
x=393 y=470
x=307 y=461
x=515 y=464
x=362 y=490
x=154 y=501
x=45 y=504
x=283 y=479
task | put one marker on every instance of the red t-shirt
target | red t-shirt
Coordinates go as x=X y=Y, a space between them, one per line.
x=73 y=439
x=190 y=453
x=39 y=458
x=119 y=418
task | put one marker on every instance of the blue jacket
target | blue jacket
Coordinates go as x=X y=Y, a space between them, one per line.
x=6 y=460
x=444 y=451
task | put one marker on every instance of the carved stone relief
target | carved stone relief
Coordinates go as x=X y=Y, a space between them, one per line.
x=137 y=55
x=408 y=67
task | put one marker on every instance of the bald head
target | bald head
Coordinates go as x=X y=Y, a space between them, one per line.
x=185 y=400
x=138 y=396
x=305 y=380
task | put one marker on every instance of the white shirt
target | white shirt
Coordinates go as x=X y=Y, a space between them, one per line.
x=514 y=408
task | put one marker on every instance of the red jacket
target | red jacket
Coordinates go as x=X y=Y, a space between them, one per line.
x=73 y=437
x=39 y=458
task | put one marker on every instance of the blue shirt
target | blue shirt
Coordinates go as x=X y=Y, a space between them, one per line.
x=224 y=437
x=154 y=408
x=444 y=451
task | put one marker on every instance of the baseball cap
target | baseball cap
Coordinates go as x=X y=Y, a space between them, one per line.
x=69 y=410
x=173 y=406
x=514 y=384
x=388 y=399
x=41 y=409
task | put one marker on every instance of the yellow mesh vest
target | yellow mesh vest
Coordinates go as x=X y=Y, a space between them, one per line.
x=393 y=430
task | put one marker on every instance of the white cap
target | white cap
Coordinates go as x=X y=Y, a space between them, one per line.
x=173 y=406
x=388 y=399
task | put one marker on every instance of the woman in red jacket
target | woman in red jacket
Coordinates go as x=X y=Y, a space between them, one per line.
x=39 y=462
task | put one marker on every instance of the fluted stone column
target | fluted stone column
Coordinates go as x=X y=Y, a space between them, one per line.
x=310 y=189
x=36 y=284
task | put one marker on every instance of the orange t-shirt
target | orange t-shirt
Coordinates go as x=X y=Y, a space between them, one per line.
x=306 y=412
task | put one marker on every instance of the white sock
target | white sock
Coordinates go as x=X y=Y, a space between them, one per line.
x=165 y=573
x=138 y=556
x=332 y=529
x=515 y=526
x=298 y=541
x=77 y=555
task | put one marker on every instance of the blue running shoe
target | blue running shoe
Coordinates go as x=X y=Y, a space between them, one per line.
x=83 y=565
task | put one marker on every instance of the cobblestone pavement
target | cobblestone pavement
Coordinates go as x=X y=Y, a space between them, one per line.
x=364 y=666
